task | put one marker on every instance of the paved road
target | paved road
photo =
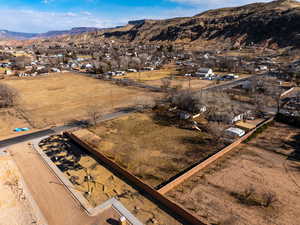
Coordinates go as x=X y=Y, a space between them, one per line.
x=27 y=137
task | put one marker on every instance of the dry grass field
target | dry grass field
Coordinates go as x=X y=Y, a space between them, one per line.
x=62 y=97
x=184 y=83
x=149 y=148
x=257 y=184
x=144 y=76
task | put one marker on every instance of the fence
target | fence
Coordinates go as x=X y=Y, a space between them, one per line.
x=177 y=210
x=206 y=163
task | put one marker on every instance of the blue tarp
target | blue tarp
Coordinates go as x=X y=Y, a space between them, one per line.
x=21 y=129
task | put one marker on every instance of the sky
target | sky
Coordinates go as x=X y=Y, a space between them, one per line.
x=45 y=15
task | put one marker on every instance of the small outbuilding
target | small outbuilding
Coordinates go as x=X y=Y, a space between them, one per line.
x=234 y=132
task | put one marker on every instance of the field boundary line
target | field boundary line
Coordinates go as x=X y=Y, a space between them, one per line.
x=210 y=160
x=177 y=210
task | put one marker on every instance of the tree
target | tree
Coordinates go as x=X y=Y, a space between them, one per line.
x=165 y=84
x=8 y=96
x=94 y=114
x=268 y=89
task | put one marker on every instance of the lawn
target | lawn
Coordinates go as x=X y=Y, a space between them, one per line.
x=62 y=97
x=152 y=149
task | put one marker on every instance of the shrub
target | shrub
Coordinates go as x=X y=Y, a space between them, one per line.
x=268 y=199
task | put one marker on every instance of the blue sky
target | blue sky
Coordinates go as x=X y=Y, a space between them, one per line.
x=45 y=15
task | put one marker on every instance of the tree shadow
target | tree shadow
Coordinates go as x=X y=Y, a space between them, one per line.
x=295 y=144
x=112 y=221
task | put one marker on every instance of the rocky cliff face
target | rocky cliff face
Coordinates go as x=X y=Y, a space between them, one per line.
x=276 y=23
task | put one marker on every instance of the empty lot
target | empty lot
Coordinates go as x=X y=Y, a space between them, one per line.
x=152 y=148
x=258 y=184
x=62 y=97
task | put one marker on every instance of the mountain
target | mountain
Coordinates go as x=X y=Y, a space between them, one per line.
x=10 y=35
x=274 y=24
x=5 y=34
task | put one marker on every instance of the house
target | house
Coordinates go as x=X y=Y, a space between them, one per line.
x=88 y=66
x=240 y=116
x=204 y=72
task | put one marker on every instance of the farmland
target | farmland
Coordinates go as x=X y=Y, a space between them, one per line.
x=256 y=184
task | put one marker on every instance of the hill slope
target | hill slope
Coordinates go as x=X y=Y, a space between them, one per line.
x=9 y=35
x=276 y=23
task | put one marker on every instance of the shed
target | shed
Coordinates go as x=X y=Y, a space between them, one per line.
x=234 y=132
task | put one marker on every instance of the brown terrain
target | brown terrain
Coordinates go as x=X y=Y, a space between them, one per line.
x=257 y=184
x=269 y=24
x=150 y=147
x=60 y=208
x=63 y=97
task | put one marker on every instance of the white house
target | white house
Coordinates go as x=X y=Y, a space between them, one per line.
x=88 y=66
x=204 y=72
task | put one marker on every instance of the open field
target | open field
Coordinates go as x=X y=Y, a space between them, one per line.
x=257 y=184
x=184 y=83
x=10 y=119
x=15 y=208
x=144 y=76
x=150 y=147
x=62 y=97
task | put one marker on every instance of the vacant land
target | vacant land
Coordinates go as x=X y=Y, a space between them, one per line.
x=144 y=76
x=14 y=205
x=150 y=147
x=10 y=119
x=97 y=183
x=184 y=83
x=258 y=184
x=62 y=97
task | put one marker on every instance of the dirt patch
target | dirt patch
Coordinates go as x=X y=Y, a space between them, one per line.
x=15 y=208
x=258 y=184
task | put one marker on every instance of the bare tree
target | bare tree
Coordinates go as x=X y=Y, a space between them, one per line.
x=268 y=88
x=8 y=96
x=94 y=114
x=165 y=84
x=144 y=102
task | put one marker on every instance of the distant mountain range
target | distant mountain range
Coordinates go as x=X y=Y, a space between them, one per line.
x=9 y=35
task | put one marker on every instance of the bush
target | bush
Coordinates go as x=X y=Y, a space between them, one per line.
x=8 y=96
x=268 y=199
